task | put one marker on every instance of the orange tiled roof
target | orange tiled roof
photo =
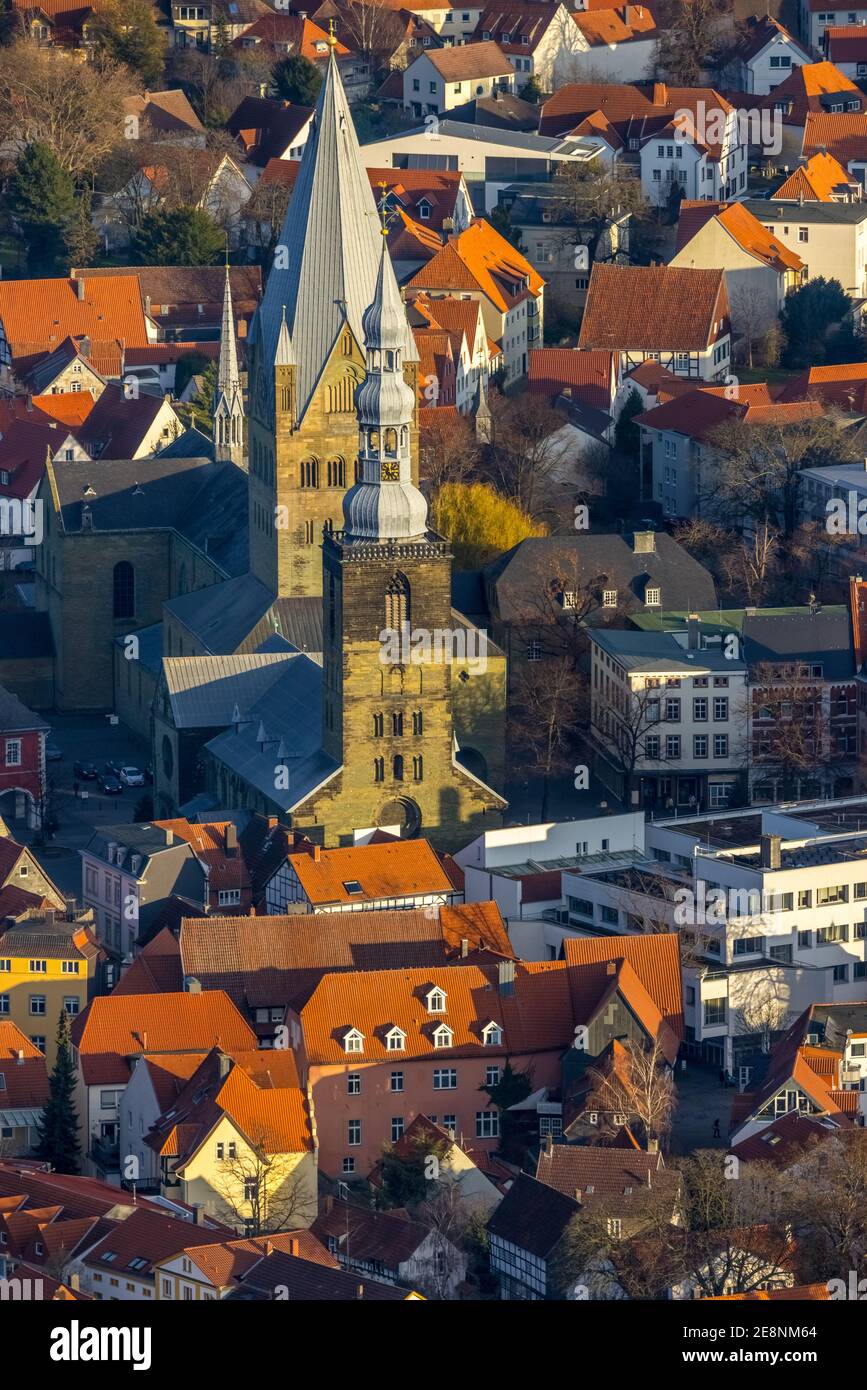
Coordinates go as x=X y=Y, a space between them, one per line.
x=742 y=227
x=655 y=960
x=156 y=969
x=652 y=307
x=616 y=25
x=228 y=868
x=817 y=181
x=798 y=1293
x=226 y=1263
x=119 y=1027
x=469 y=61
x=804 y=88
x=37 y=315
x=481 y=259
x=590 y=375
x=23 y=1069
x=398 y=869
x=536 y=1017
x=844 y=135
x=68 y=407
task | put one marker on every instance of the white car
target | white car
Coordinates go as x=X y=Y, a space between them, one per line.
x=132 y=777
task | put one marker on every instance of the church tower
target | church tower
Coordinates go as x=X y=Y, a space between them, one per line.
x=388 y=623
x=307 y=355
x=228 y=406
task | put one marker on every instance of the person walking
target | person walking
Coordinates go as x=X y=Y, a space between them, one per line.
x=716 y=1130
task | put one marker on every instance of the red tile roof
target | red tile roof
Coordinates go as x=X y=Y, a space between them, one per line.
x=226 y=864
x=469 y=61
x=745 y=229
x=842 y=135
x=820 y=180
x=480 y=259
x=591 y=376
x=145 y=1235
x=398 y=869
x=653 y=307
x=615 y=26
x=623 y=104
x=804 y=88
x=225 y=1264
x=23 y=1070
x=655 y=960
x=114 y=1029
x=156 y=969
x=37 y=315
x=698 y=413
x=536 y=1017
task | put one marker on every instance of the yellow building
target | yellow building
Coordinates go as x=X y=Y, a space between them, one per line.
x=47 y=963
x=238 y=1143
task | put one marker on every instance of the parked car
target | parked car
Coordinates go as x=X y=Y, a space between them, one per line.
x=110 y=785
x=132 y=777
x=86 y=771
x=52 y=753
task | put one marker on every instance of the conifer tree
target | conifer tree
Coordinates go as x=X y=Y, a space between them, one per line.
x=58 y=1123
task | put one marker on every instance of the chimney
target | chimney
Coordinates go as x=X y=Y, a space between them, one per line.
x=660 y=94
x=192 y=985
x=231 y=837
x=653 y=1146
x=317 y=854
x=693 y=632
x=577 y=1194
x=549 y=1144
x=170 y=836
x=74 y=1281
x=465 y=947
x=644 y=543
x=79 y=287
x=199 y=1213
x=506 y=977
x=359 y=1292
x=327 y=1204
x=770 y=851
x=269 y=1247
x=293 y=1246
x=144 y=1042
x=225 y=1066
x=21 y=1059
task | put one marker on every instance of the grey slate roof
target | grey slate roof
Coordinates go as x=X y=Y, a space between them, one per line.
x=150 y=647
x=655 y=651
x=15 y=717
x=483 y=134
x=189 y=445
x=205 y=501
x=242 y=614
x=204 y=690
x=515 y=579
x=290 y=712
x=332 y=240
x=825 y=214
x=533 y=1216
x=823 y=637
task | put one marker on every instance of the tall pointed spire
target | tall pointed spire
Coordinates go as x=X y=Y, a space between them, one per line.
x=384 y=504
x=228 y=406
x=328 y=255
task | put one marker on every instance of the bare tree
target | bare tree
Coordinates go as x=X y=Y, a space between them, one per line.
x=830 y=1194
x=544 y=716
x=265 y=1192
x=751 y=563
x=76 y=109
x=526 y=454
x=643 y=1089
x=373 y=28
x=448 y=450
x=790 y=741
x=752 y=317
x=691 y=36
x=762 y=1012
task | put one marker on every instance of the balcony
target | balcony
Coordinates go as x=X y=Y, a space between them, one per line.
x=105 y=1155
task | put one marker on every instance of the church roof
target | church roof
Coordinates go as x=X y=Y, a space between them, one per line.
x=331 y=237
x=204 y=691
x=289 y=714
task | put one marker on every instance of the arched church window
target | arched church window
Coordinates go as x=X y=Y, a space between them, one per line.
x=397 y=723
x=397 y=602
x=309 y=474
x=346 y=345
x=124 y=590
x=391 y=441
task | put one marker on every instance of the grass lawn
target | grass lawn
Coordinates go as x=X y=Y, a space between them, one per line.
x=748 y=375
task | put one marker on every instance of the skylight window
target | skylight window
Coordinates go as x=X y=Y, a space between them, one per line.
x=353 y=886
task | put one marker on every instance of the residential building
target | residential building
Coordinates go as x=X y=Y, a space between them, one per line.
x=266 y=129
x=551 y=244
x=113 y=1032
x=844 y=46
x=442 y=78
x=814 y=89
x=537 y=37
x=24 y=884
x=364 y=878
x=814 y=18
x=667 y=718
x=24 y=1091
x=284 y=1276
x=390 y=1248
x=629 y=1186
x=841 y=136
x=238 y=1142
x=677 y=440
x=480 y=264
x=454 y=24
x=22 y=768
x=678 y=317
x=206 y=22
x=462 y=323
x=524 y=1234
x=565 y=376
x=166 y=116
x=480 y=1177
x=820 y=179
x=617 y=42
x=48 y=964
x=120 y=1266
x=765 y=54
x=760 y=271
x=204 y=1272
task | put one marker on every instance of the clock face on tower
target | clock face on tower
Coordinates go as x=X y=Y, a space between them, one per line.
x=389 y=472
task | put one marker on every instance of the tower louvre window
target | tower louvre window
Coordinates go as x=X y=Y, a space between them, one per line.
x=417 y=722
x=397 y=723
x=378 y=726
x=309 y=473
x=379 y=769
x=397 y=602
x=336 y=473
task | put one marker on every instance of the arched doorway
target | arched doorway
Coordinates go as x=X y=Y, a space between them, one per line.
x=401 y=812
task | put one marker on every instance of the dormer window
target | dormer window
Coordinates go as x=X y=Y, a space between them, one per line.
x=353 y=1041
x=436 y=1001
x=395 y=1040
x=492 y=1034
x=443 y=1036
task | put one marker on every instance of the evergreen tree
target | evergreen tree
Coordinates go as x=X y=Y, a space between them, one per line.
x=42 y=202
x=131 y=36
x=182 y=236
x=296 y=79
x=58 y=1123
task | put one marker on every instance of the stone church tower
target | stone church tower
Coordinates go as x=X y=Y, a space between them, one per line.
x=387 y=694
x=228 y=407
x=306 y=356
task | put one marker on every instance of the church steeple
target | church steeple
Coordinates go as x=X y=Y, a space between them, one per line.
x=384 y=504
x=228 y=405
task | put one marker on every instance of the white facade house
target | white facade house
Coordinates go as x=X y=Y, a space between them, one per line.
x=766 y=55
x=443 y=78
x=815 y=16
x=830 y=238
x=683 y=154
